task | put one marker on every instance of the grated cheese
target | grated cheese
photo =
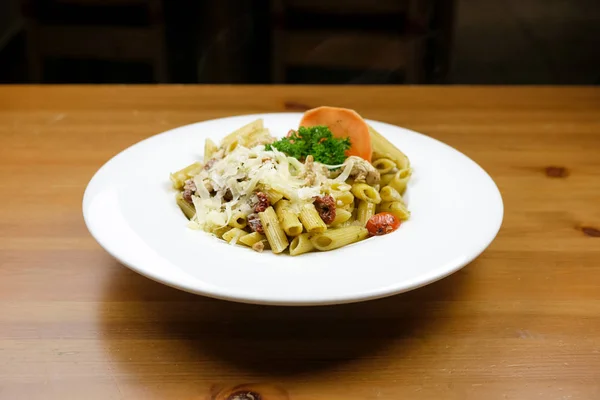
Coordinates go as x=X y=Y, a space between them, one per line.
x=243 y=172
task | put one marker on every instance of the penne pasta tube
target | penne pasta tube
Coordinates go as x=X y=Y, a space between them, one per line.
x=244 y=132
x=395 y=207
x=233 y=235
x=210 y=148
x=341 y=216
x=273 y=231
x=400 y=180
x=178 y=178
x=311 y=220
x=336 y=238
x=347 y=207
x=187 y=208
x=355 y=211
x=388 y=193
x=365 y=210
x=301 y=244
x=257 y=137
x=219 y=232
x=233 y=144
x=289 y=220
x=273 y=195
x=343 y=198
x=382 y=148
x=386 y=178
x=249 y=239
x=384 y=165
x=284 y=191
x=364 y=192
x=340 y=187
x=238 y=220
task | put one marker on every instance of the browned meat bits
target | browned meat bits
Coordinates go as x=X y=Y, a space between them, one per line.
x=325 y=206
x=263 y=202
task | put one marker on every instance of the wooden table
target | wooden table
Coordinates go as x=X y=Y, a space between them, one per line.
x=521 y=322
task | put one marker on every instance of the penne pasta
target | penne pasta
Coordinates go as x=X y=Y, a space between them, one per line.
x=395 y=207
x=385 y=179
x=178 y=178
x=210 y=148
x=347 y=207
x=257 y=137
x=273 y=231
x=365 y=210
x=187 y=208
x=388 y=193
x=400 y=180
x=219 y=232
x=233 y=144
x=336 y=238
x=257 y=191
x=244 y=132
x=233 y=235
x=364 y=192
x=249 y=239
x=340 y=187
x=301 y=244
x=341 y=216
x=289 y=221
x=238 y=220
x=382 y=148
x=343 y=198
x=311 y=220
x=384 y=165
x=273 y=195
x=285 y=192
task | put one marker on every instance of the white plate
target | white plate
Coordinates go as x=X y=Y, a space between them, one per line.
x=129 y=208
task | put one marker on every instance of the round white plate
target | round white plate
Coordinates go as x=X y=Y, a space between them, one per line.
x=129 y=208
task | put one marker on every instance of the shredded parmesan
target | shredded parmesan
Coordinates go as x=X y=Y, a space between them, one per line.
x=346 y=172
x=229 y=185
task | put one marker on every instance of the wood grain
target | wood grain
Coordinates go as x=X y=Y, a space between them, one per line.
x=520 y=322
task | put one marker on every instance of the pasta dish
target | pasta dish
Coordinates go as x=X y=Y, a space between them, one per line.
x=332 y=182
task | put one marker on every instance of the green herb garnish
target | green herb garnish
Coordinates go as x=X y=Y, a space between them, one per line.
x=316 y=140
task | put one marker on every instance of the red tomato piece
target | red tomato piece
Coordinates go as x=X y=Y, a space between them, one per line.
x=382 y=223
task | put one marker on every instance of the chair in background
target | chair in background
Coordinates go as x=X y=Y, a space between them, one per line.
x=361 y=41
x=108 y=30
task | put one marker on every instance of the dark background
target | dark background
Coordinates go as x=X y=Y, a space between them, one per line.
x=300 y=41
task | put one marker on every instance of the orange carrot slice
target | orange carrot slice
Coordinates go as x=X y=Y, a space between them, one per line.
x=343 y=123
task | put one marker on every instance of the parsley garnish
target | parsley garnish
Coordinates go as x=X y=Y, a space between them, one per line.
x=316 y=140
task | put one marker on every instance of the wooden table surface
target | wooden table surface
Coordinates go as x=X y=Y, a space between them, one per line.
x=520 y=322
